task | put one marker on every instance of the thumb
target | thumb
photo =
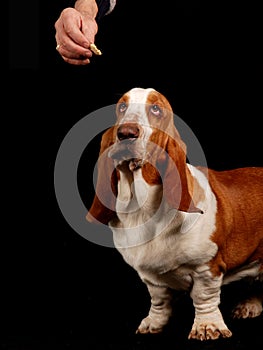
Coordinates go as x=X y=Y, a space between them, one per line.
x=89 y=29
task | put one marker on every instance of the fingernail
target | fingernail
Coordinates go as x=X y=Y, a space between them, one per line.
x=86 y=45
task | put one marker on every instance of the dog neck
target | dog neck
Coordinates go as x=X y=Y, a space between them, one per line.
x=142 y=212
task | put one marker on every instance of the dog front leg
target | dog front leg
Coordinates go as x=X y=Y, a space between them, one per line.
x=160 y=310
x=208 y=322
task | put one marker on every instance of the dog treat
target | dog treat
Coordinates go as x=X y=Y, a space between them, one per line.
x=95 y=50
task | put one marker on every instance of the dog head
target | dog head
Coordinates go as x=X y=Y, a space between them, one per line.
x=144 y=137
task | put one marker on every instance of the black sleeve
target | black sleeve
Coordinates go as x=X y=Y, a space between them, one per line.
x=104 y=7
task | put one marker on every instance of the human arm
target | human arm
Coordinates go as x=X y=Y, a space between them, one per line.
x=76 y=29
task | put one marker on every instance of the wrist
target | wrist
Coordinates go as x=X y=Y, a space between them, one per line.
x=87 y=8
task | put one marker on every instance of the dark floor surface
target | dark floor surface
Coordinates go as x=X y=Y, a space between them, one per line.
x=95 y=319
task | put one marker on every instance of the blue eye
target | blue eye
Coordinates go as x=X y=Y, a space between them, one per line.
x=156 y=110
x=122 y=107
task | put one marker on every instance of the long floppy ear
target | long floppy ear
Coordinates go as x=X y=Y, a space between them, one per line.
x=102 y=209
x=176 y=178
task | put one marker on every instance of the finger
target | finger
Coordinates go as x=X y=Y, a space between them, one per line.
x=69 y=25
x=76 y=62
x=73 y=33
x=73 y=51
x=79 y=39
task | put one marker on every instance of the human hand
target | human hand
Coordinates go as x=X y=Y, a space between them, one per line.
x=75 y=32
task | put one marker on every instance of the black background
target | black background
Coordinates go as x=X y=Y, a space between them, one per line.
x=59 y=290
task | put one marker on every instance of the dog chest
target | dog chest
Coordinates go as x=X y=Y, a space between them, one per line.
x=169 y=258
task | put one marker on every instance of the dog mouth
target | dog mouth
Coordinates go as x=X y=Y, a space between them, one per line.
x=130 y=151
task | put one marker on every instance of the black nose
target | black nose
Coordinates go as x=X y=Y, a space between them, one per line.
x=128 y=131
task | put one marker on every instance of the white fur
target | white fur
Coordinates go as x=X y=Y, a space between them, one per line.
x=174 y=239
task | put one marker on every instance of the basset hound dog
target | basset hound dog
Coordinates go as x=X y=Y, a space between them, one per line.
x=180 y=226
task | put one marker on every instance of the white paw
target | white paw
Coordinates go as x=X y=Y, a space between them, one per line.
x=206 y=330
x=249 y=308
x=149 y=325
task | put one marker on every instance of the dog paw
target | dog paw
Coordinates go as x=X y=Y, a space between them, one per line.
x=248 y=308
x=205 y=330
x=149 y=325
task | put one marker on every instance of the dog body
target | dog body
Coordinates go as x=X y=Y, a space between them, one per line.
x=180 y=226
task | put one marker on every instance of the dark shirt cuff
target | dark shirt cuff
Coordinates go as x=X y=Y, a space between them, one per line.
x=104 y=6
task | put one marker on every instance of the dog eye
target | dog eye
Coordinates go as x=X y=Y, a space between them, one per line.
x=156 y=110
x=122 y=107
